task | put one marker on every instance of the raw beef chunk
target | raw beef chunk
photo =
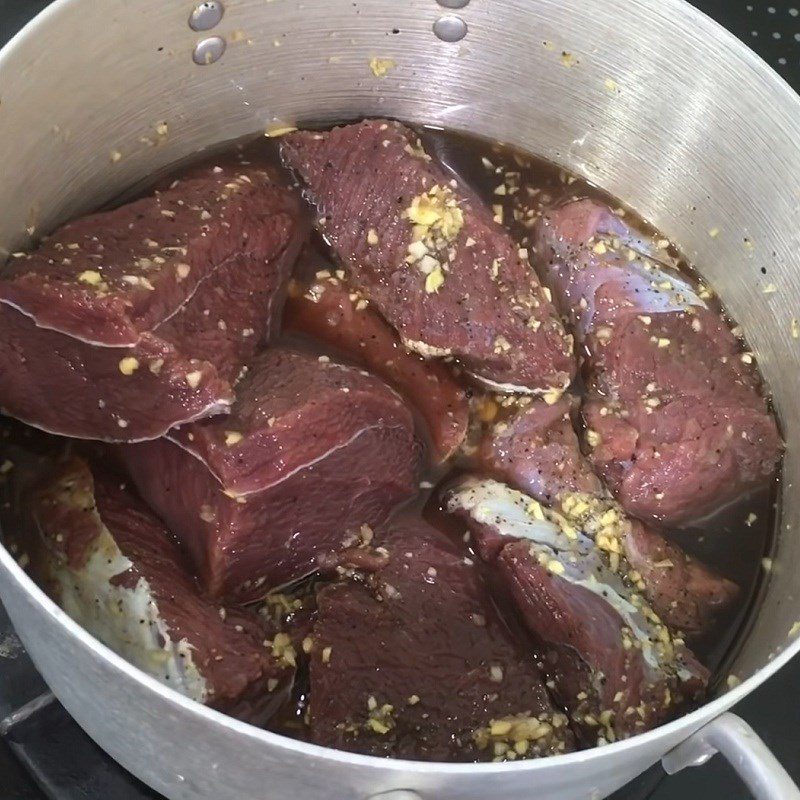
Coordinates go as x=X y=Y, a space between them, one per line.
x=677 y=423
x=328 y=310
x=311 y=450
x=128 y=322
x=535 y=448
x=614 y=665
x=429 y=256
x=415 y=662
x=114 y=568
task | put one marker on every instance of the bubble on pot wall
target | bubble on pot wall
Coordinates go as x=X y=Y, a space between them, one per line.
x=450 y=28
x=206 y=15
x=209 y=50
x=452 y=3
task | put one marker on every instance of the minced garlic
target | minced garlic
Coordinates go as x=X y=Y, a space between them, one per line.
x=516 y=733
x=593 y=438
x=437 y=221
x=380 y=717
x=553 y=395
x=90 y=276
x=194 y=378
x=380 y=66
x=283 y=649
x=434 y=281
x=127 y=366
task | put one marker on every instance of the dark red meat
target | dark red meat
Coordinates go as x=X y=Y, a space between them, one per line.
x=141 y=318
x=417 y=664
x=114 y=567
x=311 y=450
x=688 y=595
x=467 y=292
x=610 y=689
x=535 y=449
x=328 y=310
x=617 y=669
x=679 y=425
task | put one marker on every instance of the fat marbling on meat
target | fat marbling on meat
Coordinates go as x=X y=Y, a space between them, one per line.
x=677 y=424
x=534 y=447
x=141 y=318
x=413 y=661
x=608 y=657
x=311 y=450
x=114 y=568
x=428 y=254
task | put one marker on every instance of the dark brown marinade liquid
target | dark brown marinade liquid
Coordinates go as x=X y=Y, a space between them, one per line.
x=724 y=541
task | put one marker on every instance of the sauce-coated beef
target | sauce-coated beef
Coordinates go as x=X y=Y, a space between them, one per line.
x=535 y=448
x=678 y=423
x=428 y=254
x=311 y=450
x=413 y=661
x=141 y=318
x=330 y=311
x=610 y=660
x=115 y=569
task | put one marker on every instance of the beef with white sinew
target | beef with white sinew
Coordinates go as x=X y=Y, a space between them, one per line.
x=429 y=255
x=607 y=656
x=412 y=660
x=677 y=423
x=534 y=447
x=311 y=450
x=330 y=311
x=141 y=318
x=113 y=567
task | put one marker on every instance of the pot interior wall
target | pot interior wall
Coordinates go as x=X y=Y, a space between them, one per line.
x=673 y=116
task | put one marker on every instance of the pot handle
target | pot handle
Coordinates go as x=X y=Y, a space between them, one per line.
x=745 y=751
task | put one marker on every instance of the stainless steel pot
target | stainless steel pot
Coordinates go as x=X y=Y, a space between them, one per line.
x=654 y=102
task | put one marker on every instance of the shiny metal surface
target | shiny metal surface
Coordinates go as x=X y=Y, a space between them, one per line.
x=206 y=15
x=452 y=3
x=209 y=50
x=750 y=757
x=450 y=28
x=697 y=134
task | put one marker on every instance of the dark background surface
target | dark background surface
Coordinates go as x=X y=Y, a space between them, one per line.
x=45 y=756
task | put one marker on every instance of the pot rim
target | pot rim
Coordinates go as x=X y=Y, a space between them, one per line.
x=670 y=9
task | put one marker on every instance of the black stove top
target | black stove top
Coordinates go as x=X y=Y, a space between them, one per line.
x=44 y=755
